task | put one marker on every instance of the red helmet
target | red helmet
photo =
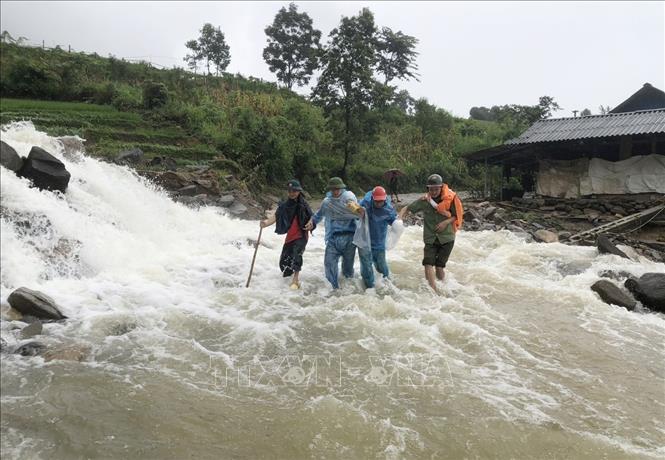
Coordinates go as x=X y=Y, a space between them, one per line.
x=379 y=193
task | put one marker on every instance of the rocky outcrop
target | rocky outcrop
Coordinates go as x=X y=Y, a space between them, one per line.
x=32 y=330
x=133 y=156
x=545 y=236
x=605 y=246
x=613 y=295
x=163 y=162
x=203 y=182
x=67 y=353
x=34 y=303
x=620 y=275
x=649 y=289
x=591 y=208
x=200 y=187
x=9 y=158
x=31 y=349
x=45 y=171
x=72 y=148
x=564 y=218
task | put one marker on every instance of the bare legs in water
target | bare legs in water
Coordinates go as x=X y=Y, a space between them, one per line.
x=432 y=274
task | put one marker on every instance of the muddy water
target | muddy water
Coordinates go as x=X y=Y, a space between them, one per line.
x=517 y=358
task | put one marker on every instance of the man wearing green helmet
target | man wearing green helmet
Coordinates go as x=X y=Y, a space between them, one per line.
x=442 y=214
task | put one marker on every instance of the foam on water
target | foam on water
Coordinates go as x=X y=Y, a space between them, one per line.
x=516 y=359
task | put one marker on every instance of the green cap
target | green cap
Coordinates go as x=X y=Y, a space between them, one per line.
x=434 y=179
x=336 y=182
x=294 y=185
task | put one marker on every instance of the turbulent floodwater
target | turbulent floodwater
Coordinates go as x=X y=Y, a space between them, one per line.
x=518 y=358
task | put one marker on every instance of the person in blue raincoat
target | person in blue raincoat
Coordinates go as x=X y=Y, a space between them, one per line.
x=340 y=211
x=380 y=213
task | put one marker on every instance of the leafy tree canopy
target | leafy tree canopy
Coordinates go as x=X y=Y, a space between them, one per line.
x=210 y=48
x=396 y=55
x=293 y=47
x=518 y=114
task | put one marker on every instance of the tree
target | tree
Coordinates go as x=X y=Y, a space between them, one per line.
x=293 y=47
x=210 y=47
x=396 y=55
x=404 y=101
x=604 y=110
x=6 y=37
x=195 y=56
x=346 y=83
x=585 y=113
x=545 y=107
x=432 y=121
x=482 y=113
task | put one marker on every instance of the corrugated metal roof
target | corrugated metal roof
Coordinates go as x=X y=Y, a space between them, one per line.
x=614 y=124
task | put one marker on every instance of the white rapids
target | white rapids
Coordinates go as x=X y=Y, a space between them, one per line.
x=517 y=359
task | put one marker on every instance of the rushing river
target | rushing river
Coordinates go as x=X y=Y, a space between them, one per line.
x=517 y=359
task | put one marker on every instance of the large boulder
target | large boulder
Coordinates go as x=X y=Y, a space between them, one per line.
x=31 y=349
x=9 y=158
x=172 y=180
x=72 y=148
x=34 y=303
x=649 y=289
x=32 y=330
x=630 y=252
x=45 y=171
x=471 y=215
x=188 y=190
x=489 y=212
x=237 y=208
x=612 y=294
x=226 y=200
x=605 y=246
x=165 y=162
x=546 y=236
x=68 y=353
x=130 y=156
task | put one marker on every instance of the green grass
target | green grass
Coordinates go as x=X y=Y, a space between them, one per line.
x=108 y=131
x=23 y=105
x=111 y=148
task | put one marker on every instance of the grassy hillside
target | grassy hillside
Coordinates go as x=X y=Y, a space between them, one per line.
x=265 y=133
x=106 y=129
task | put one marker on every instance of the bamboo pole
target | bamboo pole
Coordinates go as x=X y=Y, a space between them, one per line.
x=258 y=240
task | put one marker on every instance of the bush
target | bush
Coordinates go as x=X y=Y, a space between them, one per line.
x=155 y=95
x=363 y=177
x=174 y=111
x=32 y=79
x=105 y=94
x=127 y=98
x=226 y=165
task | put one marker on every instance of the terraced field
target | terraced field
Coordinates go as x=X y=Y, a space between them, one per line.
x=108 y=131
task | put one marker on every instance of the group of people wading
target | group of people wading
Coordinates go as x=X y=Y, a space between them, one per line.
x=342 y=214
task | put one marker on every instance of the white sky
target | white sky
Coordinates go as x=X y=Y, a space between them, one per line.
x=583 y=54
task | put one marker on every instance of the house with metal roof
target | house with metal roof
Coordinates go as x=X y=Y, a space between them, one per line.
x=622 y=152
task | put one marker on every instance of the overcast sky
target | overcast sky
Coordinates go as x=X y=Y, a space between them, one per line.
x=583 y=54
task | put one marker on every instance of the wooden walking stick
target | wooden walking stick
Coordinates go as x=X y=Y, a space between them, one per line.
x=258 y=240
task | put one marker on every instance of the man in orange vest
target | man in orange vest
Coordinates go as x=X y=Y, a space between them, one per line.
x=442 y=212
